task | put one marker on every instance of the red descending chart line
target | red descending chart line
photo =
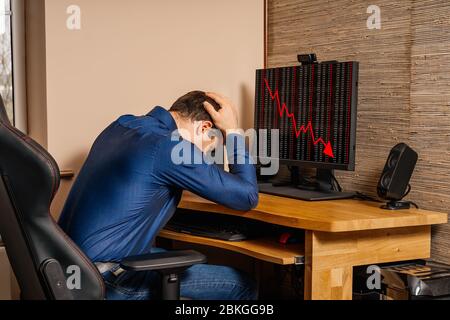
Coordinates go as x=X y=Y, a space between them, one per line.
x=282 y=108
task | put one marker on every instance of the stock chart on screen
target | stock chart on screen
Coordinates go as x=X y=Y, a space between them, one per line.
x=314 y=108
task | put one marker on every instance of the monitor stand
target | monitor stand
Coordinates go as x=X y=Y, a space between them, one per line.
x=299 y=188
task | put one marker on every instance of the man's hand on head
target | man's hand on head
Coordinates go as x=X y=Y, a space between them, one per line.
x=225 y=118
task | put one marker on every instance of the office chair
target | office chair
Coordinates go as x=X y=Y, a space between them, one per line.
x=39 y=251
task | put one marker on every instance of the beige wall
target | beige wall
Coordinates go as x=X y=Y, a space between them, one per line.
x=132 y=55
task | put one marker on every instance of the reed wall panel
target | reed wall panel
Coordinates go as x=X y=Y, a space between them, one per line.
x=404 y=84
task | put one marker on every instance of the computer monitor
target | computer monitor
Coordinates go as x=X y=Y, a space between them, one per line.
x=314 y=108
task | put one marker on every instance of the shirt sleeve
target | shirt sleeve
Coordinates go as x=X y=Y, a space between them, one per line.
x=181 y=164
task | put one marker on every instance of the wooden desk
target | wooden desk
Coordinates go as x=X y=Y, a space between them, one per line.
x=339 y=235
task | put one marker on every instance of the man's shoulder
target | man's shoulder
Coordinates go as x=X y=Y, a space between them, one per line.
x=174 y=146
x=144 y=126
x=129 y=120
x=123 y=119
x=171 y=140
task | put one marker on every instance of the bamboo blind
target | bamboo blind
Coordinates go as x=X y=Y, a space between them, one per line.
x=404 y=84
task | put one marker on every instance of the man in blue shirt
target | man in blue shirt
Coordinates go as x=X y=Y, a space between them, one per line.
x=130 y=186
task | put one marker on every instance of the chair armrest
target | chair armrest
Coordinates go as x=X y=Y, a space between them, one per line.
x=170 y=260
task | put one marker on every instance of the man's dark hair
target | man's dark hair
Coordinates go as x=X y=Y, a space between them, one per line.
x=190 y=106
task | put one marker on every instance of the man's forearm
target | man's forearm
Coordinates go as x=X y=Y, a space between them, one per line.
x=239 y=159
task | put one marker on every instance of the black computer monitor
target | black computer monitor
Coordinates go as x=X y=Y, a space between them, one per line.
x=314 y=108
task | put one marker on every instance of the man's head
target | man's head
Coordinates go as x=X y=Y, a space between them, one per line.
x=193 y=121
x=190 y=106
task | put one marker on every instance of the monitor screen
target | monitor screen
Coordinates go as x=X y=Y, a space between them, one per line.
x=314 y=108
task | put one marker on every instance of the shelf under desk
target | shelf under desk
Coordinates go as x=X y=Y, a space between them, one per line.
x=266 y=249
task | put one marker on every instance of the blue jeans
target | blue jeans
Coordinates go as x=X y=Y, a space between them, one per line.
x=200 y=282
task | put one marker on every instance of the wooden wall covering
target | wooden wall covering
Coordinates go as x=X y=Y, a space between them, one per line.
x=404 y=84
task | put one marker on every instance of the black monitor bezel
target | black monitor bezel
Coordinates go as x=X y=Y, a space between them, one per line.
x=353 y=129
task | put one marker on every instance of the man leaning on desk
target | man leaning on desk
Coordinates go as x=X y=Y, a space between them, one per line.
x=129 y=188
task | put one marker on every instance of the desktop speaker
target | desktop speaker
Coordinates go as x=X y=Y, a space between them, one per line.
x=394 y=181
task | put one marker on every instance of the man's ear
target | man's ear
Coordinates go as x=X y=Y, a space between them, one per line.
x=206 y=125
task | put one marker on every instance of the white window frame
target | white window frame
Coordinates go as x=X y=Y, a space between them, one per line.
x=19 y=64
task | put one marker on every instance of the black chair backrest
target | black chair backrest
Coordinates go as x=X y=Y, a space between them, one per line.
x=42 y=256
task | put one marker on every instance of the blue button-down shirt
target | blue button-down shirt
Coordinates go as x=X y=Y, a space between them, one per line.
x=129 y=187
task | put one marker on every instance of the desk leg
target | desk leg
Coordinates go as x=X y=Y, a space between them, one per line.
x=330 y=257
x=324 y=282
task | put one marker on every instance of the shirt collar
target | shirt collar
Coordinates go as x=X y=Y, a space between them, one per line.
x=163 y=116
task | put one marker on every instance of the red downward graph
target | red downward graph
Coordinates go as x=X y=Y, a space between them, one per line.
x=282 y=108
